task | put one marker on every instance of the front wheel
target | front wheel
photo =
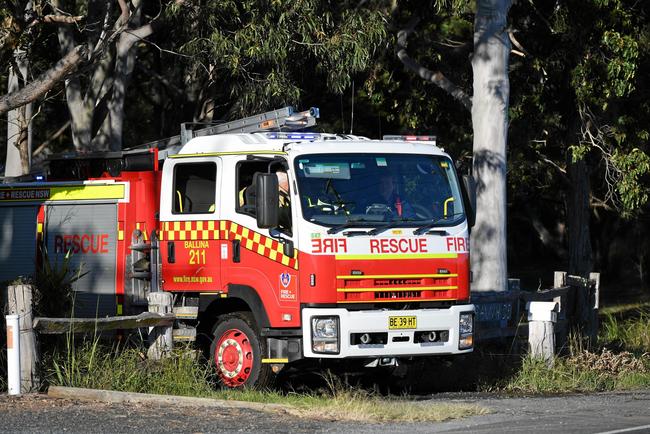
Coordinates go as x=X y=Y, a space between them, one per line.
x=237 y=351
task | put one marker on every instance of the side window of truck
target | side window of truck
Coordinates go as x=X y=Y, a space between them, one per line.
x=194 y=188
x=245 y=190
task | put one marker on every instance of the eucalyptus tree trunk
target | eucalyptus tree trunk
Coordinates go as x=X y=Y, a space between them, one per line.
x=97 y=112
x=19 y=131
x=578 y=217
x=81 y=109
x=113 y=127
x=490 y=123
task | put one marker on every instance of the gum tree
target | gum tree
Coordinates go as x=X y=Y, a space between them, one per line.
x=489 y=110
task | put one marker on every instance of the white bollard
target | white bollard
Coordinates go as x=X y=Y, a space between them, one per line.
x=13 y=354
x=542 y=316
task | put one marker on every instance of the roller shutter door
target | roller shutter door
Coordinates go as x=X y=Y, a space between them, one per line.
x=90 y=233
x=17 y=241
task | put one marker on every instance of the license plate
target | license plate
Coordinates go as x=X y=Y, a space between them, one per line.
x=402 y=322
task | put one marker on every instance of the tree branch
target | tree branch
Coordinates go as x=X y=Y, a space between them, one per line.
x=560 y=170
x=44 y=82
x=521 y=51
x=57 y=19
x=50 y=139
x=124 y=13
x=435 y=77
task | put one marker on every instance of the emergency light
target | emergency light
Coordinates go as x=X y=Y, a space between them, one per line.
x=293 y=136
x=411 y=138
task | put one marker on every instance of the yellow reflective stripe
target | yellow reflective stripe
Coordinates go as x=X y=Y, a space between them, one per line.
x=216 y=154
x=389 y=289
x=87 y=192
x=395 y=276
x=398 y=256
x=275 y=360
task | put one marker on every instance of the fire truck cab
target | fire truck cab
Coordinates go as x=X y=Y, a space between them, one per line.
x=363 y=254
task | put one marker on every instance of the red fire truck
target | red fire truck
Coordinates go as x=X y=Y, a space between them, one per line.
x=278 y=245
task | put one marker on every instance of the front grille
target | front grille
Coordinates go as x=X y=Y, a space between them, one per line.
x=384 y=288
x=386 y=295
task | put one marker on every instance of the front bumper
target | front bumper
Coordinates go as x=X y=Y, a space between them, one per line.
x=399 y=343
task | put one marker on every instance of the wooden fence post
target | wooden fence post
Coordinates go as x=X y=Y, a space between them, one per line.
x=594 y=302
x=565 y=303
x=542 y=316
x=160 y=337
x=19 y=302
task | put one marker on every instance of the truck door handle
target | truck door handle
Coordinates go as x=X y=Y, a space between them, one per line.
x=236 y=250
x=171 y=252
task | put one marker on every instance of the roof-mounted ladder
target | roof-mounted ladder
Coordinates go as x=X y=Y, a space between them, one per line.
x=276 y=120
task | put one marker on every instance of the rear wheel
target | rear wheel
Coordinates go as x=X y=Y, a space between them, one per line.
x=237 y=351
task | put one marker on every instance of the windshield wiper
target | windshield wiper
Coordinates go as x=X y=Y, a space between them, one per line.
x=425 y=228
x=432 y=223
x=348 y=224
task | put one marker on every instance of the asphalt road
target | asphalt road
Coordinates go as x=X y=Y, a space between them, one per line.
x=596 y=413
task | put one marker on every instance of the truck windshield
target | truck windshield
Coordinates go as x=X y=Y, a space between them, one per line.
x=369 y=190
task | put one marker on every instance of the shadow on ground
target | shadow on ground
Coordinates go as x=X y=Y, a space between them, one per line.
x=485 y=369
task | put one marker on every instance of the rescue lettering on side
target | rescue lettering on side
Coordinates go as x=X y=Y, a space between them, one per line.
x=396 y=245
x=25 y=194
x=81 y=243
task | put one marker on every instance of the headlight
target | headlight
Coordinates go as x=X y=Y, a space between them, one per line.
x=465 y=331
x=466 y=324
x=325 y=334
x=325 y=327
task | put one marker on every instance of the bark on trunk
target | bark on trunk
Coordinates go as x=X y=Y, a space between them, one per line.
x=578 y=216
x=19 y=135
x=80 y=112
x=580 y=260
x=125 y=59
x=490 y=123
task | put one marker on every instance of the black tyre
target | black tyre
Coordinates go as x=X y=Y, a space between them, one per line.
x=237 y=351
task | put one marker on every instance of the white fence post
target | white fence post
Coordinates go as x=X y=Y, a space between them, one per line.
x=542 y=316
x=19 y=302
x=13 y=354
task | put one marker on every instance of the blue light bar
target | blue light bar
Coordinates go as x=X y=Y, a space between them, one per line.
x=293 y=136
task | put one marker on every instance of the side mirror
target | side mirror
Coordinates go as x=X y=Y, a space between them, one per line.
x=469 y=199
x=288 y=249
x=267 y=202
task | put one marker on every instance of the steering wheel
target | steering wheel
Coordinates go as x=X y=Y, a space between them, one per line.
x=378 y=209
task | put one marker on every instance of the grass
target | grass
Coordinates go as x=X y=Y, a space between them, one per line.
x=93 y=365
x=632 y=334
x=620 y=362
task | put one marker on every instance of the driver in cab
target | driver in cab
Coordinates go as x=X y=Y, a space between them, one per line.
x=388 y=201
